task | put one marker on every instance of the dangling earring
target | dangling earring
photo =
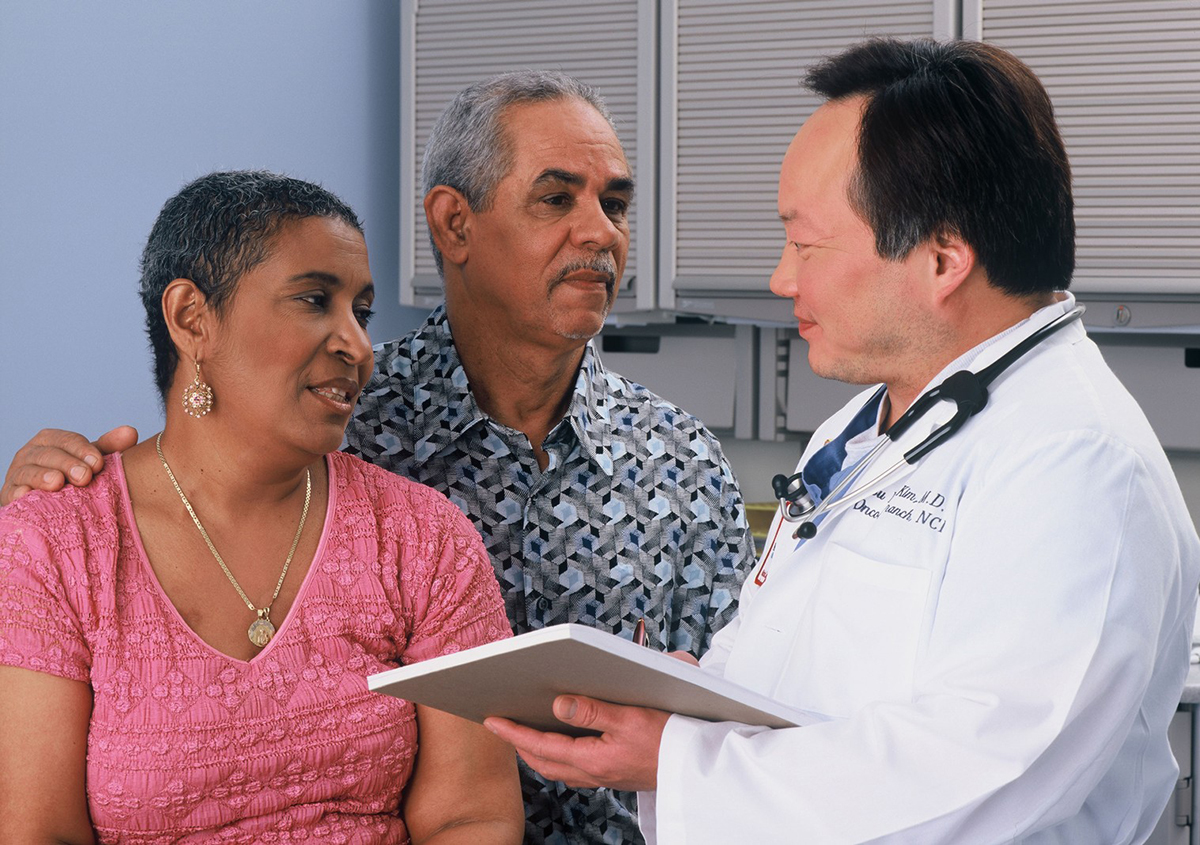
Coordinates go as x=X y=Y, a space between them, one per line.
x=197 y=397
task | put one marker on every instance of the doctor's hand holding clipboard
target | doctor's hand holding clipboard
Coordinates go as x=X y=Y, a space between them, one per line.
x=624 y=756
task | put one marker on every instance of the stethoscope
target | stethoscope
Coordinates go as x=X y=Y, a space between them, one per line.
x=966 y=389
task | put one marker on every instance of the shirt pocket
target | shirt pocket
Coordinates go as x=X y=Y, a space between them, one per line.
x=858 y=641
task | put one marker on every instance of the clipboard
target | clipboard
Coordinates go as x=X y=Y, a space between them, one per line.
x=519 y=678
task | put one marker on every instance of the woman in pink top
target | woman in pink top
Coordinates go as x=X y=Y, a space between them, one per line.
x=184 y=643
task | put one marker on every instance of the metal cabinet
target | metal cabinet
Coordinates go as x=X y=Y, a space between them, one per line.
x=1124 y=76
x=1176 y=825
x=709 y=370
x=449 y=44
x=706 y=97
x=729 y=103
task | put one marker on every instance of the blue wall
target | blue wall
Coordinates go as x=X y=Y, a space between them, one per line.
x=107 y=109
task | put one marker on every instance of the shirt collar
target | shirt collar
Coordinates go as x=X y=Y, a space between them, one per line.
x=980 y=356
x=445 y=409
x=592 y=409
x=988 y=351
x=829 y=460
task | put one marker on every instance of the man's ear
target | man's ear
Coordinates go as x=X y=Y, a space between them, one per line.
x=952 y=260
x=449 y=216
x=189 y=318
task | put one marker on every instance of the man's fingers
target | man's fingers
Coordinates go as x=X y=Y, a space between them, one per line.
x=685 y=656
x=584 y=712
x=15 y=493
x=545 y=753
x=35 y=468
x=118 y=440
x=54 y=457
x=624 y=756
x=53 y=448
x=533 y=744
x=537 y=743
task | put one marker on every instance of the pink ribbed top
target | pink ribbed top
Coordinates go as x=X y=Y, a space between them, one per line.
x=189 y=745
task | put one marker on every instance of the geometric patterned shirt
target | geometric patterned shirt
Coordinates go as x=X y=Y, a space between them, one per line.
x=636 y=515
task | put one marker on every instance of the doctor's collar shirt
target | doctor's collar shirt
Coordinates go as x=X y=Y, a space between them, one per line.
x=637 y=514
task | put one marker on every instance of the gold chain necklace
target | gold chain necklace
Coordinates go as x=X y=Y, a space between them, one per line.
x=261 y=630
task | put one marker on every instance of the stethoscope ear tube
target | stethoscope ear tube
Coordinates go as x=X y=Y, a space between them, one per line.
x=969 y=395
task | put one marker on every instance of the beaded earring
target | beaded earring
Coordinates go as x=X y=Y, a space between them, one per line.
x=197 y=397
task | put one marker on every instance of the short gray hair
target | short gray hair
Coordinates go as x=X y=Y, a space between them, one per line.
x=468 y=149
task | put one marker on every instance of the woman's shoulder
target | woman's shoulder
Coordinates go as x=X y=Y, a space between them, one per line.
x=358 y=479
x=72 y=515
x=59 y=556
x=417 y=520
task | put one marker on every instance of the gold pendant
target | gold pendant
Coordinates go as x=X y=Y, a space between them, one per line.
x=261 y=630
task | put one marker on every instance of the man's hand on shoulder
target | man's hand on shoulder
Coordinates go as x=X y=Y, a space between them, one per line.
x=53 y=457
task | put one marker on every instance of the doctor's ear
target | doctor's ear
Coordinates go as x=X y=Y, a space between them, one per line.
x=449 y=218
x=952 y=261
x=189 y=318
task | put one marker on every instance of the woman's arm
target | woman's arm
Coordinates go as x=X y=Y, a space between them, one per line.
x=43 y=748
x=464 y=788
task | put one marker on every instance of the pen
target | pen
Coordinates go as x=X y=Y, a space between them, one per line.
x=639 y=633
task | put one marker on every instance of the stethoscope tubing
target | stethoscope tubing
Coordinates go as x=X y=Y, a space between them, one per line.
x=832 y=503
x=841 y=496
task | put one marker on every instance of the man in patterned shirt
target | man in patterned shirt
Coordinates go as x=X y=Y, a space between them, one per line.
x=599 y=502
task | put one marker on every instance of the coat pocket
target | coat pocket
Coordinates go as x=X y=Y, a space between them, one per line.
x=859 y=639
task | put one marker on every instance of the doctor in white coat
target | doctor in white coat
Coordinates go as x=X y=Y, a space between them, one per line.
x=995 y=638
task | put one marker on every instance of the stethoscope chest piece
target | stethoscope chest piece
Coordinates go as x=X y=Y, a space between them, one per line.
x=793 y=498
x=796 y=503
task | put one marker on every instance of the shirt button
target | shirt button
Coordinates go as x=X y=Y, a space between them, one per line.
x=543 y=603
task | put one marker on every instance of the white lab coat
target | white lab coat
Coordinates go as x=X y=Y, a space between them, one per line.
x=999 y=637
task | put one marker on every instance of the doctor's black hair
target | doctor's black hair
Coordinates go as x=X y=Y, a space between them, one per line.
x=214 y=231
x=958 y=137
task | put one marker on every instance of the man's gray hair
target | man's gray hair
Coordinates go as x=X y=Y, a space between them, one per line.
x=468 y=149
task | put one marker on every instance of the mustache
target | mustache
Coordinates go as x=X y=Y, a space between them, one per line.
x=603 y=263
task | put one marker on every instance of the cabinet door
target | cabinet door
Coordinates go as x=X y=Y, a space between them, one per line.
x=1175 y=825
x=730 y=103
x=449 y=44
x=1125 y=79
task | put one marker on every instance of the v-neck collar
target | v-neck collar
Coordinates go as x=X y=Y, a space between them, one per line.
x=285 y=624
